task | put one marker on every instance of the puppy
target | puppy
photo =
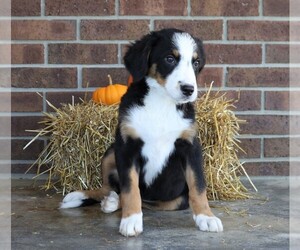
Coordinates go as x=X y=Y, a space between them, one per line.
x=156 y=160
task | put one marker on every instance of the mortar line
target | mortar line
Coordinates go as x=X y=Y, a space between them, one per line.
x=145 y=17
x=79 y=77
x=225 y=30
x=229 y=42
x=189 y=9
x=117 y=8
x=68 y=65
x=46 y=54
x=43 y=9
x=260 y=8
x=262 y=148
x=263 y=100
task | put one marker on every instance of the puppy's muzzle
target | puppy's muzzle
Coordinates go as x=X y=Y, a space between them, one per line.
x=187 y=89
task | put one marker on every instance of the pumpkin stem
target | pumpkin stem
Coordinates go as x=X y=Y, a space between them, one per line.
x=109 y=79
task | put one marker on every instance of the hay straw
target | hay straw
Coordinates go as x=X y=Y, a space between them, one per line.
x=79 y=136
x=81 y=133
x=218 y=132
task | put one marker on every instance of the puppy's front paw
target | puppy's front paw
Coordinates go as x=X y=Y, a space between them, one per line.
x=208 y=223
x=132 y=225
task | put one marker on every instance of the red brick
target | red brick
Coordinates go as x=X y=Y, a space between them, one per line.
x=97 y=77
x=43 y=30
x=251 y=146
x=26 y=102
x=26 y=53
x=294 y=8
x=5 y=77
x=5 y=126
x=280 y=168
x=44 y=78
x=113 y=29
x=203 y=29
x=277 y=147
x=25 y=8
x=294 y=124
x=224 y=8
x=294 y=77
x=19 y=125
x=208 y=75
x=258 y=30
x=294 y=145
x=258 y=77
x=31 y=153
x=277 y=100
x=276 y=7
x=290 y=53
x=5 y=10
x=265 y=124
x=294 y=101
x=295 y=30
x=248 y=100
x=6 y=150
x=282 y=100
x=6 y=54
x=5 y=102
x=5 y=30
x=71 y=53
x=279 y=53
x=79 y=8
x=59 y=98
x=233 y=54
x=154 y=8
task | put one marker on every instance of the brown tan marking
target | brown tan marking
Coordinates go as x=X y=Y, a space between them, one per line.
x=98 y=194
x=195 y=55
x=157 y=76
x=197 y=199
x=190 y=133
x=175 y=53
x=127 y=131
x=131 y=201
x=108 y=165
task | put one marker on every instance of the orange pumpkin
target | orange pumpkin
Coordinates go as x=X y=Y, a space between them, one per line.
x=130 y=80
x=110 y=94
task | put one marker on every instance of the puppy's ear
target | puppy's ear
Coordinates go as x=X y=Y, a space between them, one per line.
x=201 y=53
x=137 y=56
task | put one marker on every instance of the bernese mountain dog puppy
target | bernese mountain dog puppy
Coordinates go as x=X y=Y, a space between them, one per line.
x=156 y=160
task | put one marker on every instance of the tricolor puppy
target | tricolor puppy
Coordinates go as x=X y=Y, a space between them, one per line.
x=156 y=159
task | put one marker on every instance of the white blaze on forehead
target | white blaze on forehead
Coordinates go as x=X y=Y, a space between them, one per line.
x=185 y=44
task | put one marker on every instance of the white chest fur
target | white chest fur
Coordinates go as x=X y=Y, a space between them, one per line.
x=158 y=123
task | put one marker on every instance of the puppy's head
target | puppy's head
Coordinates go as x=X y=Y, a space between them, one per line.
x=170 y=58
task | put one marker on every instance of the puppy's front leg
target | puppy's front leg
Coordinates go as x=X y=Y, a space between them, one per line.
x=132 y=216
x=202 y=213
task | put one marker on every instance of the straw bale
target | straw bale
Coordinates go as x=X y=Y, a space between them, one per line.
x=79 y=135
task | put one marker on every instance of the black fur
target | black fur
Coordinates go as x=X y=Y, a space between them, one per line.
x=171 y=183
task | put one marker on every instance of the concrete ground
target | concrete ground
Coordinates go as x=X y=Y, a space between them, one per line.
x=260 y=223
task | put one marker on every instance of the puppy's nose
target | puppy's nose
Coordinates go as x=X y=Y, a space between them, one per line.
x=187 y=89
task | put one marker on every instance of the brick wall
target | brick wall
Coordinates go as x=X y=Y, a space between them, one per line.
x=58 y=46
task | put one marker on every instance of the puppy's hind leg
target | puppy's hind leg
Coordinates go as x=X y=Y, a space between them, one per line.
x=110 y=184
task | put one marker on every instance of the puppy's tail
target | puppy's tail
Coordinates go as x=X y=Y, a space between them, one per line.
x=84 y=198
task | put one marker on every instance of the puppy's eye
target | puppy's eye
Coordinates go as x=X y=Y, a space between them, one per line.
x=170 y=60
x=196 y=63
